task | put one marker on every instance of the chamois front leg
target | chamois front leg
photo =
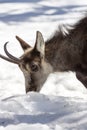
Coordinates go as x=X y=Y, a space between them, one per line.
x=82 y=77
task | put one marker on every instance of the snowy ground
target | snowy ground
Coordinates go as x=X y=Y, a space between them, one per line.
x=62 y=102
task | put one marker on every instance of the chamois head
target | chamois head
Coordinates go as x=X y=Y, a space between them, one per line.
x=32 y=63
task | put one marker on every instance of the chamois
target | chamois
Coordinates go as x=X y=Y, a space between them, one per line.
x=62 y=52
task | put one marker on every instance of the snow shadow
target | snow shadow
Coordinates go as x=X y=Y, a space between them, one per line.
x=18 y=1
x=46 y=118
x=44 y=111
x=8 y=17
x=29 y=119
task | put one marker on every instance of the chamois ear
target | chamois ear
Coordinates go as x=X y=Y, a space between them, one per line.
x=23 y=44
x=40 y=44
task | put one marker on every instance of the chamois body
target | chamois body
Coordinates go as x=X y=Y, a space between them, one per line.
x=69 y=51
x=62 y=52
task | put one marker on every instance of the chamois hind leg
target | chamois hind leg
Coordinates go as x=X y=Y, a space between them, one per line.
x=81 y=74
x=82 y=77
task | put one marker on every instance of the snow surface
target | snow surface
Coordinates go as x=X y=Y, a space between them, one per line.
x=62 y=102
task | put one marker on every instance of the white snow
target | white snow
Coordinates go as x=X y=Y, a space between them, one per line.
x=62 y=102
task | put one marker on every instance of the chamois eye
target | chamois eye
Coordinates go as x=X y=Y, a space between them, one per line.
x=34 y=67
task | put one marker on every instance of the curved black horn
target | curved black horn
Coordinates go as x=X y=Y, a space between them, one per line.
x=7 y=59
x=13 y=58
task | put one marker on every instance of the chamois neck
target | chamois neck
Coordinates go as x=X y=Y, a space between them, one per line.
x=52 y=46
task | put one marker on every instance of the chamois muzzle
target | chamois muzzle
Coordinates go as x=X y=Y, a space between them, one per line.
x=10 y=57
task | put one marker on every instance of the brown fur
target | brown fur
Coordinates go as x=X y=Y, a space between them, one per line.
x=62 y=52
x=69 y=51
